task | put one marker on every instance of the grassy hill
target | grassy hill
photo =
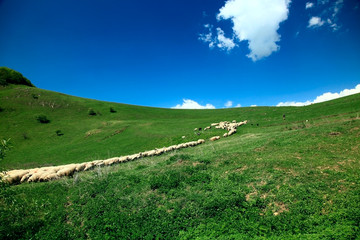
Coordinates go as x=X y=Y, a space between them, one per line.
x=276 y=179
x=129 y=130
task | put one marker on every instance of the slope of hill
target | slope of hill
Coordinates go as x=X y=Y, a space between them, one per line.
x=73 y=135
x=281 y=179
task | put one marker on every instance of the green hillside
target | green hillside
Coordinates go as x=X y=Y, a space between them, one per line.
x=130 y=129
x=274 y=179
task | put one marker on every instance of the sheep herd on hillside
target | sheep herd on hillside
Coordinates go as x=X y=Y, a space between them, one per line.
x=229 y=126
x=55 y=172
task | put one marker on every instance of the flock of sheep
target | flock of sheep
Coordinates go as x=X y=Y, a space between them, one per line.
x=55 y=172
x=229 y=126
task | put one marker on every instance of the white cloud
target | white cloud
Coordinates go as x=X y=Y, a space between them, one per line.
x=207 y=37
x=191 y=104
x=324 y=97
x=224 y=42
x=315 y=22
x=309 y=5
x=257 y=22
x=228 y=104
x=294 y=104
x=328 y=10
x=238 y=105
x=254 y=105
x=219 y=40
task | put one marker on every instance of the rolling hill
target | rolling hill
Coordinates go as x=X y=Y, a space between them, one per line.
x=274 y=179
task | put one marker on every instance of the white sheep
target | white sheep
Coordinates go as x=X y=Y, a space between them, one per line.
x=215 y=138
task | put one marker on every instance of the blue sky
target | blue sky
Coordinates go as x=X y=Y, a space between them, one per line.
x=197 y=53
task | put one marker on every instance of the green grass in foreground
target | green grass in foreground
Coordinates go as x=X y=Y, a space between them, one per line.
x=282 y=180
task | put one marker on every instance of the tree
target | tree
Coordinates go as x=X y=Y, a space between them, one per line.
x=10 y=76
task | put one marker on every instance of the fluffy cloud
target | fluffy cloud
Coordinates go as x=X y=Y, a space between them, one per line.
x=255 y=21
x=228 y=104
x=191 y=104
x=322 y=98
x=309 y=5
x=238 y=105
x=315 y=22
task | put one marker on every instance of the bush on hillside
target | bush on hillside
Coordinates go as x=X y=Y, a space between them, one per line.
x=1 y=109
x=112 y=110
x=10 y=76
x=91 y=112
x=42 y=119
x=59 y=133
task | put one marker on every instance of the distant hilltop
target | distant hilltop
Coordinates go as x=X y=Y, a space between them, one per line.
x=10 y=76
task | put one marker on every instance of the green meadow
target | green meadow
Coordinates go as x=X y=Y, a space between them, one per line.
x=296 y=178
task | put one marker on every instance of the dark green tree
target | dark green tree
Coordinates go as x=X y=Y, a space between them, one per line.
x=10 y=76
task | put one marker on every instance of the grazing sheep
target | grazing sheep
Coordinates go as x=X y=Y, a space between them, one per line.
x=80 y=167
x=25 y=177
x=15 y=175
x=111 y=161
x=183 y=137
x=99 y=163
x=50 y=173
x=225 y=135
x=67 y=170
x=214 y=124
x=232 y=131
x=123 y=159
x=51 y=176
x=195 y=129
x=215 y=138
x=89 y=165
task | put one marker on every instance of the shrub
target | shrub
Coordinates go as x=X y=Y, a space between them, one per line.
x=1 y=109
x=42 y=119
x=35 y=96
x=91 y=112
x=4 y=147
x=10 y=76
x=166 y=181
x=112 y=110
x=59 y=133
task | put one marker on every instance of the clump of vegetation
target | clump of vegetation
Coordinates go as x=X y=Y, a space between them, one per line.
x=1 y=109
x=59 y=133
x=5 y=146
x=166 y=181
x=42 y=119
x=91 y=112
x=10 y=76
x=35 y=96
x=112 y=110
